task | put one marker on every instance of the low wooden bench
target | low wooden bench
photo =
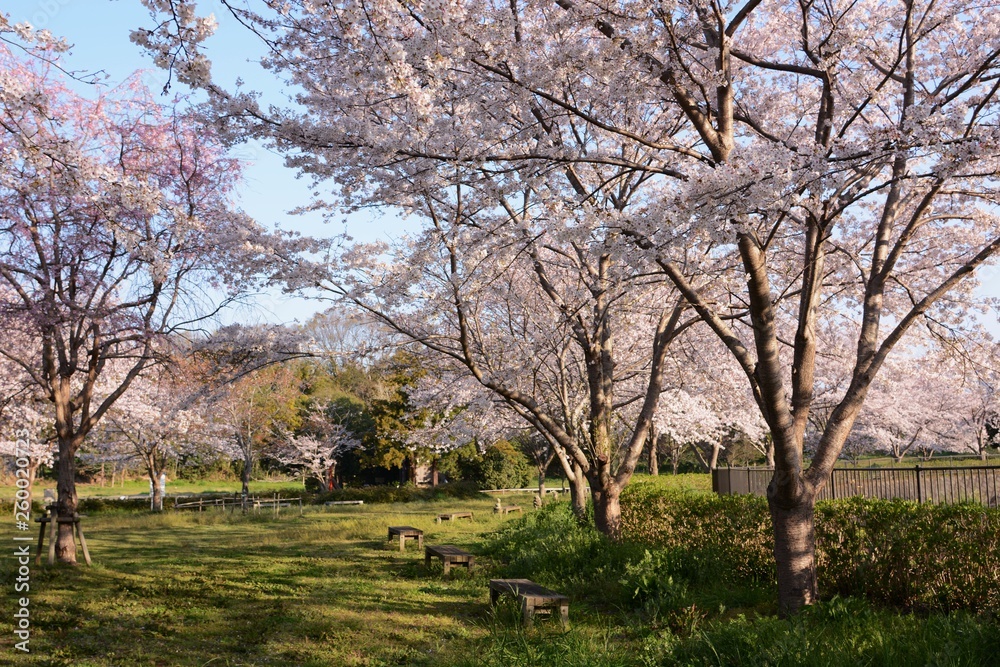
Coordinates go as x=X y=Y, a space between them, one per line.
x=533 y=598
x=407 y=533
x=451 y=516
x=449 y=555
x=507 y=509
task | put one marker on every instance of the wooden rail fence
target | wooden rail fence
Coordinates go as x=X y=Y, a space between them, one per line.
x=924 y=485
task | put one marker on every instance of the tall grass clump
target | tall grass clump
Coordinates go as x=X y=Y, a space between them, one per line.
x=839 y=631
x=552 y=548
x=667 y=584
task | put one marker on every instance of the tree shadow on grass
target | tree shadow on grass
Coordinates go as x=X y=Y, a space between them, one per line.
x=194 y=594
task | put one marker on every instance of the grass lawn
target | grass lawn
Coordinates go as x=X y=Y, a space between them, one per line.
x=174 y=487
x=326 y=588
x=221 y=589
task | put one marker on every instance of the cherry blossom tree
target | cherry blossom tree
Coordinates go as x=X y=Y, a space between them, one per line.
x=843 y=153
x=118 y=230
x=317 y=456
x=22 y=426
x=158 y=419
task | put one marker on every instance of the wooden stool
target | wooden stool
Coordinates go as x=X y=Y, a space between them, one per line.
x=405 y=533
x=449 y=555
x=532 y=597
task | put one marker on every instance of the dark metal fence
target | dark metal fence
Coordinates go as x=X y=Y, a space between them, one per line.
x=924 y=485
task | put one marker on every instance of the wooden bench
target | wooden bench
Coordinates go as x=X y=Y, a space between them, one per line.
x=507 y=509
x=533 y=598
x=451 y=516
x=407 y=533
x=449 y=555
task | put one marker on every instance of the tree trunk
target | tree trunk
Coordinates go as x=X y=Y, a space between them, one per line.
x=714 y=462
x=157 y=494
x=654 y=464
x=794 y=552
x=607 y=511
x=67 y=501
x=434 y=472
x=245 y=478
x=578 y=493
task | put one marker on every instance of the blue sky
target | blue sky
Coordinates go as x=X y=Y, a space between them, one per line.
x=99 y=32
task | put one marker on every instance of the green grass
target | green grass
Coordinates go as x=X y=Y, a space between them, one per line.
x=326 y=588
x=174 y=487
x=223 y=589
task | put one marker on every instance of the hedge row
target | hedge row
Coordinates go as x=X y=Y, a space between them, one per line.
x=899 y=553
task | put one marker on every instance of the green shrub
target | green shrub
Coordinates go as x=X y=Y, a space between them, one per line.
x=460 y=464
x=653 y=584
x=922 y=557
x=502 y=466
x=899 y=553
x=723 y=538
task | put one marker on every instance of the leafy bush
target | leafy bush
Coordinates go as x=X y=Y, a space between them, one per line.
x=460 y=464
x=916 y=557
x=653 y=585
x=502 y=466
x=722 y=538
x=922 y=557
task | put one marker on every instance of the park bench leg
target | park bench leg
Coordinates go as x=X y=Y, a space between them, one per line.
x=427 y=560
x=527 y=612
x=83 y=543
x=564 y=616
x=420 y=542
x=494 y=596
x=402 y=542
x=447 y=566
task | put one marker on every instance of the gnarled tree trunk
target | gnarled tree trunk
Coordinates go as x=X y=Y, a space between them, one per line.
x=607 y=511
x=66 y=506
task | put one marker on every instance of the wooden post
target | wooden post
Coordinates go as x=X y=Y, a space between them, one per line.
x=53 y=532
x=920 y=495
x=83 y=541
